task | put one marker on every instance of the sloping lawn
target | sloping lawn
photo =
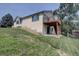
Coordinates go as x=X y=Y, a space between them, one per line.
x=20 y=42
x=67 y=45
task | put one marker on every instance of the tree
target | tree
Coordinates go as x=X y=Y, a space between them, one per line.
x=7 y=21
x=67 y=10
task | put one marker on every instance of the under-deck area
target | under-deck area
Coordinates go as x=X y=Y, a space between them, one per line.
x=52 y=28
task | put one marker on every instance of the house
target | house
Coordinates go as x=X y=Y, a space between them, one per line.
x=17 y=22
x=75 y=31
x=43 y=22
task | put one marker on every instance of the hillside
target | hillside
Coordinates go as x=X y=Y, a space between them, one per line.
x=20 y=42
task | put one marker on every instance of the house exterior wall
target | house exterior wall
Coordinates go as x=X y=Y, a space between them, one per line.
x=35 y=25
x=44 y=29
x=39 y=25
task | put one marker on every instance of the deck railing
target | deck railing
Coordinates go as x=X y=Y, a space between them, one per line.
x=50 y=19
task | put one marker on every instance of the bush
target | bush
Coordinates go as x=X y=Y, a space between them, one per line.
x=67 y=27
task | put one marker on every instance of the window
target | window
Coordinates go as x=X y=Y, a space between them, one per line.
x=35 y=18
x=17 y=22
x=20 y=21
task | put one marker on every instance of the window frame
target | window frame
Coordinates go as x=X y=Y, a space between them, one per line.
x=35 y=18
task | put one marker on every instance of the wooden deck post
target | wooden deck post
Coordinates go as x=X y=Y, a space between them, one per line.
x=57 y=28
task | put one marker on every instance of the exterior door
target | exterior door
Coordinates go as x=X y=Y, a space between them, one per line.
x=48 y=29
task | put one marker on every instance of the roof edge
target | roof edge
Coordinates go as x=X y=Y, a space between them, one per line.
x=36 y=13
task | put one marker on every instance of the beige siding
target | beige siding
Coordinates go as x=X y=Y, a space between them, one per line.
x=36 y=25
x=44 y=29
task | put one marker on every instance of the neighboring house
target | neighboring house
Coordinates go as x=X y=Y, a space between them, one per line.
x=17 y=21
x=43 y=22
x=75 y=31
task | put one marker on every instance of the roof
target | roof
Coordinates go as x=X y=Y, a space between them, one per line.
x=17 y=18
x=41 y=12
x=37 y=13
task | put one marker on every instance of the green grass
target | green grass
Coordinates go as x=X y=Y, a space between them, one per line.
x=19 y=42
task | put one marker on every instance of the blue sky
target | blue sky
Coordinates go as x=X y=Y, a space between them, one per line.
x=24 y=9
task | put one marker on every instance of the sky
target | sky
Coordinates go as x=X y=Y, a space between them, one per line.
x=25 y=9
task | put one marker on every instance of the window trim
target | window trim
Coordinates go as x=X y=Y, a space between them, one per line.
x=35 y=16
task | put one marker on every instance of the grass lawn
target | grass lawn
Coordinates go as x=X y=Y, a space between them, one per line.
x=20 y=42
